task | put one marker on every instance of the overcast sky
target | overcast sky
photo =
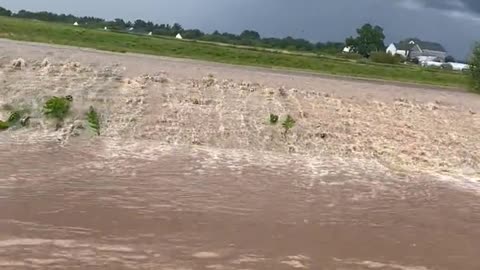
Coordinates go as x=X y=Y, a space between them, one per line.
x=454 y=23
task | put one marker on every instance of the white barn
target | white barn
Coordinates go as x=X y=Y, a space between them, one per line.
x=395 y=49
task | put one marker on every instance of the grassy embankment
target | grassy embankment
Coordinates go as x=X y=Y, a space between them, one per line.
x=36 y=31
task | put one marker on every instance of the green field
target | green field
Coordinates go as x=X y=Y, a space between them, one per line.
x=53 y=33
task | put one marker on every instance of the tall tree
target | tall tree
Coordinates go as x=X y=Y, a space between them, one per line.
x=475 y=67
x=249 y=34
x=5 y=12
x=177 y=28
x=449 y=59
x=370 y=39
x=139 y=24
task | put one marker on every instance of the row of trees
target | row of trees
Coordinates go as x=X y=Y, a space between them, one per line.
x=247 y=37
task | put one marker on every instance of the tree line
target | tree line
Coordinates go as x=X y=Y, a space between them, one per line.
x=247 y=37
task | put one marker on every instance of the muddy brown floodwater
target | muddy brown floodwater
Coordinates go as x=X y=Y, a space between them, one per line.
x=188 y=173
x=65 y=208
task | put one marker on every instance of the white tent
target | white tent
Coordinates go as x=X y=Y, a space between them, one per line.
x=178 y=36
x=429 y=63
x=459 y=66
x=347 y=49
x=75 y=23
x=150 y=33
x=105 y=28
x=130 y=29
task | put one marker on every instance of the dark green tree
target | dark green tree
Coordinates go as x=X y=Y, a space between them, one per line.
x=193 y=34
x=475 y=67
x=5 y=12
x=449 y=59
x=177 y=28
x=140 y=24
x=249 y=34
x=370 y=39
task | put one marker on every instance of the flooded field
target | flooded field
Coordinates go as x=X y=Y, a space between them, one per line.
x=66 y=208
x=189 y=173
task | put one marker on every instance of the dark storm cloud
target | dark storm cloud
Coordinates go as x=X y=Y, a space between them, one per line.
x=461 y=5
x=471 y=7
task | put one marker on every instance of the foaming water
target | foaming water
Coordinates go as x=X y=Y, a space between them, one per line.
x=69 y=207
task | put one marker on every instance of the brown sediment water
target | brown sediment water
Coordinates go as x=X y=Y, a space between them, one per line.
x=188 y=173
x=68 y=208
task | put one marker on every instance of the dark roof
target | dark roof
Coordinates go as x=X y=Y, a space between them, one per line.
x=433 y=46
x=424 y=45
x=403 y=46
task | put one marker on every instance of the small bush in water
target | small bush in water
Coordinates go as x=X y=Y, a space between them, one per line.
x=288 y=124
x=93 y=120
x=14 y=118
x=4 y=125
x=273 y=119
x=57 y=107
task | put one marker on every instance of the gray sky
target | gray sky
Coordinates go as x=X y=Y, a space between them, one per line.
x=454 y=23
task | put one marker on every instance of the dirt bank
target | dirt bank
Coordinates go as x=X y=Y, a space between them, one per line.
x=183 y=102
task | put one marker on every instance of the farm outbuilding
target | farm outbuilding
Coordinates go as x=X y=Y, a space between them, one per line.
x=347 y=49
x=459 y=66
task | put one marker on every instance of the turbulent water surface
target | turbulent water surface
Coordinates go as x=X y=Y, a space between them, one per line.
x=188 y=172
x=68 y=208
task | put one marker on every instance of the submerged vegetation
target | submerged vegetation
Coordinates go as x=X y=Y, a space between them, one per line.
x=14 y=118
x=288 y=124
x=57 y=108
x=93 y=120
x=4 y=125
x=273 y=119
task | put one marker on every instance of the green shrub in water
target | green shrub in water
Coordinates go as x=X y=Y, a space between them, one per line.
x=4 y=125
x=57 y=107
x=273 y=119
x=288 y=124
x=93 y=120
x=14 y=118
